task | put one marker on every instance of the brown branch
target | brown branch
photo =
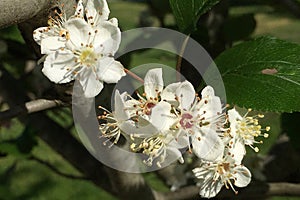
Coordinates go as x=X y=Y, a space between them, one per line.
x=55 y=170
x=123 y=185
x=30 y=107
x=17 y=11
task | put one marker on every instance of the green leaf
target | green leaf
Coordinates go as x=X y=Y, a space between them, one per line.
x=263 y=74
x=187 y=12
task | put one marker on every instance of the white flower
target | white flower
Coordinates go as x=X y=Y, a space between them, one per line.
x=54 y=37
x=81 y=49
x=96 y=12
x=227 y=171
x=153 y=86
x=87 y=56
x=201 y=119
x=159 y=142
x=116 y=121
x=245 y=129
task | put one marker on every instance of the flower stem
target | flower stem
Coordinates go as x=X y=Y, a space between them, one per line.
x=134 y=75
x=179 y=60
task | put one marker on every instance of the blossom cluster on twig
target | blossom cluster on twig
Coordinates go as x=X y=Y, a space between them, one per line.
x=163 y=121
x=81 y=47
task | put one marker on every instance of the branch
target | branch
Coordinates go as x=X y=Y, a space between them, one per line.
x=17 y=11
x=30 y=107
x=56 y=170
x=123 y=185
x=253 y=191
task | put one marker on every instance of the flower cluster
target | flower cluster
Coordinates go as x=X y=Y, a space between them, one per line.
x=163 y=122
x=160 y=123
x=81 y=46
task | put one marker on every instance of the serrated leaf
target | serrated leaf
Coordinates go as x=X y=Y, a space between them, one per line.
x=187 y=12
x=263 y=74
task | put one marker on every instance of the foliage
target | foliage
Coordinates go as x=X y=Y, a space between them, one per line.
x=261 y=71
x=187 y=13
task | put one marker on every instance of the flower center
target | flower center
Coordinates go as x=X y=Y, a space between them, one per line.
x=88 y=56
x=223 y=168
x=148 y=108
x=154 y=147
x=248 y=128
x=186 y=121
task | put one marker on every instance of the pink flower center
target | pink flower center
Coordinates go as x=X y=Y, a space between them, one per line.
x=148 y=108
x=186 y=121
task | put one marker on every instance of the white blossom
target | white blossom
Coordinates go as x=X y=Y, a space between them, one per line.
x=153 y=86
x=227 y=171
x=116 y=121
x=201 y=119
x=246 y=129
x=55 y=35
x=75 y=48
x=159 y=142
x=87 y=57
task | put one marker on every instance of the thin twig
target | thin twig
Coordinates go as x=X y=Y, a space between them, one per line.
x=134 y=75
x=30 y=107
x=55 y=170
x=179 y=60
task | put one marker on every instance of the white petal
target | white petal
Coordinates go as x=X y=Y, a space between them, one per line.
x=153 y=82
x=233 y=117
x=97 y=11
x=186 y=95
x=131 y=105
x=55 y=67
x=109 y=70
x=51 y=44
x=208 y=147
x=243 y=176
x=129 y=128
x=238 y=151
x=160 y=116
x=207 y=91
x=212 y=105
x=120 y=112
x=107 y=38
x=79 y=32
x=79 y=12
x=143 y=130
x=114 y=21
x=90 y=84
x=169 y=95
x=211 y=189
x=174 y=154
x=41 y=33
x=181 y=142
